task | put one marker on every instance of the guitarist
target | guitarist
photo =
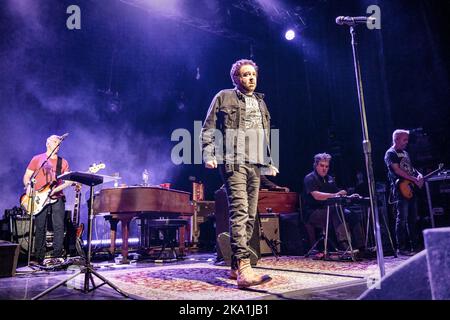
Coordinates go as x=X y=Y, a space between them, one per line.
x=47 y=175
x=400 y=166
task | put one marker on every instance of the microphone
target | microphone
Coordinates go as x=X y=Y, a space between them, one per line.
x=63 y=136
x=352 y=21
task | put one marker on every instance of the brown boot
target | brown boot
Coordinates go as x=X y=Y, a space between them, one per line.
x=233 y=274
x=246 y=277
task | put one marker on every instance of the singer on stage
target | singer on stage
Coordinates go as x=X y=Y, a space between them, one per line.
x=47 y=175
x=232 y=111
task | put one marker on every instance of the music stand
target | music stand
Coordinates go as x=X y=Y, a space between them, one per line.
x=90 y=180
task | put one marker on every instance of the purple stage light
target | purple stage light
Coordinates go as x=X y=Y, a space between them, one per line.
x=165 y=6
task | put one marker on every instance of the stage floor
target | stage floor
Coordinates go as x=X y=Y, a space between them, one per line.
x=198 y=277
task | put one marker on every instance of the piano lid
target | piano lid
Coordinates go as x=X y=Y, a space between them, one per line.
x=143 y=199
x=147 y=188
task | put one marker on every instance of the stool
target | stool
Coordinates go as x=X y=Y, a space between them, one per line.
x=165 y=226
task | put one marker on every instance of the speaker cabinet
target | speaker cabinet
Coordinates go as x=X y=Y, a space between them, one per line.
x=20 y=232
x=270 y=226
x=9 y=254
x=20 y=226
x=425 y=276
x=438 y=196
x=409 y=281
x=437 y=242
x=293 y=235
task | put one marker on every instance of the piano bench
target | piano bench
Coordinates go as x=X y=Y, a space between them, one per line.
x=165 y=226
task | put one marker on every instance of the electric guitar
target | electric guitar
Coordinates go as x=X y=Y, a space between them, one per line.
x=42 y=197
x=407 y=187
x=78 y=227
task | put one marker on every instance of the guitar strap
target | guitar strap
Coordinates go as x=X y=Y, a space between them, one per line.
x=58 y=172
x=58 y=166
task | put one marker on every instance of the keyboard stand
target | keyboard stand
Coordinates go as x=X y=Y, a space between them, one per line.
x=341 y=215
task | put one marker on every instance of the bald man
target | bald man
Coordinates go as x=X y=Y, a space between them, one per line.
x=44 y=175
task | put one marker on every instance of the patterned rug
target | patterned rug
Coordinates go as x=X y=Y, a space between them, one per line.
x=206 y=281
x=360 y=269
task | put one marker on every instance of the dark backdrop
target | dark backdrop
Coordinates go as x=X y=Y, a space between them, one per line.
x=129 y=77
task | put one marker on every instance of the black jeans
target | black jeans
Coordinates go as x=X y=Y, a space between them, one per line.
x=405 y=224
x=242 y=188
x=57 y=212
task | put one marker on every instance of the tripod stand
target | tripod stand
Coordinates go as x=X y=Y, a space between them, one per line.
x=386 y=226
x=87 y=269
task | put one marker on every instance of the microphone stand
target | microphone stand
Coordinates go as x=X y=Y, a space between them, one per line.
x=31 y=202
x=367 y=153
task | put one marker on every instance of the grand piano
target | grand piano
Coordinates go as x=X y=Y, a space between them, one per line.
x=126 y=203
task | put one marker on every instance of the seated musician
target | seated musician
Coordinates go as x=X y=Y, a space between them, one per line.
x=318 y=187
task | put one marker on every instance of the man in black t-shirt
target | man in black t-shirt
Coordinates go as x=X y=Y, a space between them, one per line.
x=318 y=187
x=400 y=166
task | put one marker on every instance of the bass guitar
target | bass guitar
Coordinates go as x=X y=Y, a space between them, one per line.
x=407 y=187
